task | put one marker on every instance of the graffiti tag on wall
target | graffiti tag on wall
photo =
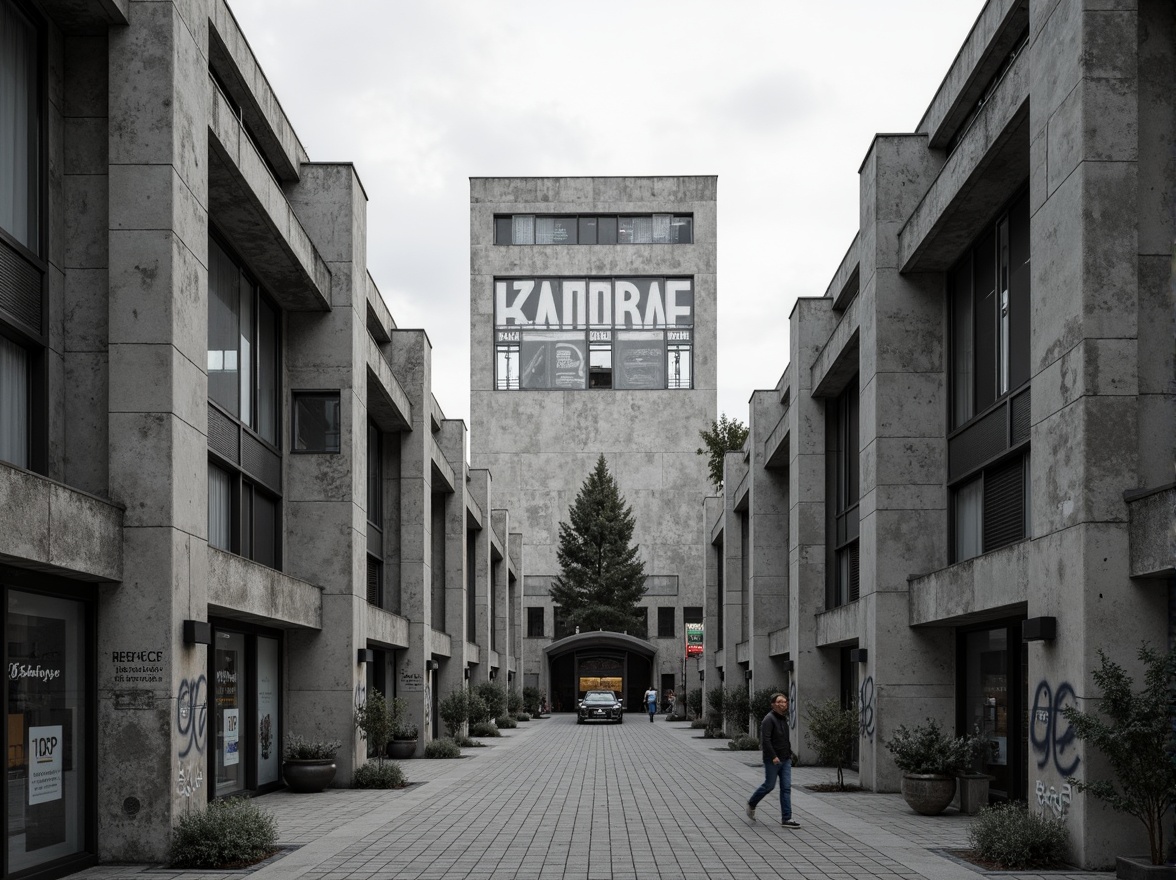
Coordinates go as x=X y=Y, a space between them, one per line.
x=1050 y=735
x=866 y=708
x=191 y=715
x=1058 y=801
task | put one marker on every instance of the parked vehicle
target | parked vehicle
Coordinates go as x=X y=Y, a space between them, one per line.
x=600 y=706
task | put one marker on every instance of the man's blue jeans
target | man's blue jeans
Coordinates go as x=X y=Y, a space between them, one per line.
x=783 y=770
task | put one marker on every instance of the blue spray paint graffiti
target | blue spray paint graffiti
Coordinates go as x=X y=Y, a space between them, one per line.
x=191 y=715
x=1050 y=735
x=360 y=695
x=792 y=705
x=866 y=708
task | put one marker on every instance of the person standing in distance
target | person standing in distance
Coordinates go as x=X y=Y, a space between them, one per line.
x=777 y=749
x=651 y=702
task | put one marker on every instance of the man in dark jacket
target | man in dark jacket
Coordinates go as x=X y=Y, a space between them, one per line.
x=777 y=748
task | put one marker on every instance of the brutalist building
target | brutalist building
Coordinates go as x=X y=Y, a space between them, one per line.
x=592 y=326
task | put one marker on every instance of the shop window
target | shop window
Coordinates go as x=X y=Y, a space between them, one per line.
x=49 y=727
x=665 y=623
x=535 y=623
x=316 y=421
x=245 y=721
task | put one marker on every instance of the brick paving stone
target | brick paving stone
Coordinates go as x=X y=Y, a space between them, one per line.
x=554 y=799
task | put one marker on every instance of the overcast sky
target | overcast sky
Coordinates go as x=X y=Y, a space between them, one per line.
x=779 y=98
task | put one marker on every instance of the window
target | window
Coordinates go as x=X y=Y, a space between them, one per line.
x=535 y=623
x=243 y=347
x=537 y=229
x=20 y=127
x=990 y=511
x=989 y=300
x=375 y=516
x=843 y=461
x=245 y=466
x=316 y=421
x=665 y=623
x=14 y=403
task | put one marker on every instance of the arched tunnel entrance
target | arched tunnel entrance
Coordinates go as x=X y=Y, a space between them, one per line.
x=599 y=660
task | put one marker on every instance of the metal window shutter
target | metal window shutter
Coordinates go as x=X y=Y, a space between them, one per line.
x=1004 y=504
x=373 y=581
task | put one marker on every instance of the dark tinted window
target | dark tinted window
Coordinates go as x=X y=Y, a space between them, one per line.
x=502 y=231
x=606 y=230
x=587 y=230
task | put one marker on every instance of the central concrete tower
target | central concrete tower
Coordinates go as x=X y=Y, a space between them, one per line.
x=592 y=331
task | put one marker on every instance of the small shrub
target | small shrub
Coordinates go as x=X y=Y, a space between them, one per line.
x=698 y=724
x=514 y=701
x=381 y=774
x=299 y=749
x=442 y=748
x=714 y=698
x=455 y=711
x=736 y=708
x=714 y=733
x=506 y=722
x=1012 y=838
x=477 y=710
x=226 y=834
x=760 y=703
x=376 y=721
x=468 y=742
x=832 y=731
x=484 y=728
x=925 y=748
x=494 y=697
x=743 y=743
x=694 y=702
x=676 y=718
x=531 y=698
x=522 y=716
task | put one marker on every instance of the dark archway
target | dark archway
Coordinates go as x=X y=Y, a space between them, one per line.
x=599 y=660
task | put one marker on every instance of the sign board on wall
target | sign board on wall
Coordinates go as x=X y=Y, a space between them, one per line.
x=46 y=745
x=579 y=303
x=694 y=639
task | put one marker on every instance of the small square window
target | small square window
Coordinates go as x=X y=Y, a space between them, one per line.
x=316 y=421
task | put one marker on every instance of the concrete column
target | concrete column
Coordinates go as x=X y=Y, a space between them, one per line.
x=814 y=672
x=768 y=509
x=903 y=468
x=154 y=734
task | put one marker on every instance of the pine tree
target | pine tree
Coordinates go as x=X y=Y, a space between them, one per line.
x=601 y=576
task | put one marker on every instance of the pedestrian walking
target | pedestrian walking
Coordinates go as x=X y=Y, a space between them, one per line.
x=651 y=702
x=777 y=750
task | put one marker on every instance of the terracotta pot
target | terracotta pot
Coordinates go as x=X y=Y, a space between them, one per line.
x=308 y=776
x=399 y=749
x=928 y=793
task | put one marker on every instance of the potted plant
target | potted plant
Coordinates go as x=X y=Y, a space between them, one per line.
x=309 y=765
x=1133 y=730
x=972 y=782
x=375 y=721
x=404 y=732
x=929 y=760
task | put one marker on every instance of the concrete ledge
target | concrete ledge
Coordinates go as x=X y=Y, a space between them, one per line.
x=1153 y=533
x=838 y=361
x=246 y=202
x=440 y=643
x=843 y=289
x=778 y=642
x=386 y=629
x=47 y=526
x=993 y=585
x=776 y=446
x=840 y=626
x=441 y=468
x=245 y=590
x=387 y=400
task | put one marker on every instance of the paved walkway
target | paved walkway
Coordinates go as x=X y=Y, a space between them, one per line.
x=602 y=802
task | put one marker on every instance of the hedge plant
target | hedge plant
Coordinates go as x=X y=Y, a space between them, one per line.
x=231 y=833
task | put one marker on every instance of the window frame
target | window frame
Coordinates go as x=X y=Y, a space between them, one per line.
x=298 y=395
x=607 y=229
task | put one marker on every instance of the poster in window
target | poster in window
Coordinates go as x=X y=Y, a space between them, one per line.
x=269 y=739
x=552 y=360
x=232 y=728
x=639 y=358
x=45 y=749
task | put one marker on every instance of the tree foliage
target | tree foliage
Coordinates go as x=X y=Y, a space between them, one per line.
x=1132 y=729
x=725 y=435
x=601 y=577
x=832 y=732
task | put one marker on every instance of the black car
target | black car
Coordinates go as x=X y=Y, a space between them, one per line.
x=600 y=706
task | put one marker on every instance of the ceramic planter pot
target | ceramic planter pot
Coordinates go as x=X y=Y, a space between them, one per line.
x=928 y=793
x=308 y=776
x=399 y=749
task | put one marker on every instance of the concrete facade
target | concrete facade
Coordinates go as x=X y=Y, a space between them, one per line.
x=165 y=156
x=541 y=443
x=1055 y=128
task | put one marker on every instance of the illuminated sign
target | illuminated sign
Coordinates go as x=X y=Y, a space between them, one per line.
x=579 y=303
x=694 y=642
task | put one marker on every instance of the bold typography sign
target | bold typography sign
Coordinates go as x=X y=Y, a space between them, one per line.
x=579 y=303
x=694 y=644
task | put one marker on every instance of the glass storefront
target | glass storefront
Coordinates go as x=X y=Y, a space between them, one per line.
x=993 y=703
x=246 y=722
x=49 y=729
